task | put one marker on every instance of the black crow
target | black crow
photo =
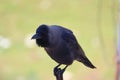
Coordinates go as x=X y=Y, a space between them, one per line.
x=61 y=45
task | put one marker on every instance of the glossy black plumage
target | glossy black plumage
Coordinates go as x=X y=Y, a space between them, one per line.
x=60 y=44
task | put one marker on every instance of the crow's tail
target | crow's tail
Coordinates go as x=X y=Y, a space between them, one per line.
x=86 y=62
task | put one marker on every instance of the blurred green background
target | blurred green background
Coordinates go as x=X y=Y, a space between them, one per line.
x=92 y=21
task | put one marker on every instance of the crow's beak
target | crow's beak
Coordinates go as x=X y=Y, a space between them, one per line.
x=36 y=36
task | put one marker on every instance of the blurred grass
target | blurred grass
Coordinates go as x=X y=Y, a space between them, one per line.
x=19 y=18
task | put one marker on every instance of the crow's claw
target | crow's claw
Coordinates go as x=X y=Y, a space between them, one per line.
x=58 y=72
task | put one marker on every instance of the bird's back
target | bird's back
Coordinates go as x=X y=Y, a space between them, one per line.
x=55 y=34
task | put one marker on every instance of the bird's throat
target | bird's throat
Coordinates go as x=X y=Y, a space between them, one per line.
x=42 y=42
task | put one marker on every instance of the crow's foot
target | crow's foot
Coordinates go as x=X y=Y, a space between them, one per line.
x=58 y=72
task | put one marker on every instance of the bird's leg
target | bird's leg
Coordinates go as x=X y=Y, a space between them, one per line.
x=64 y=68
x=56 y=69
x=58 y=72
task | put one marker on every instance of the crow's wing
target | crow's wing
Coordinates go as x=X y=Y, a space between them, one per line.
x=73 y=45
x=71 y=41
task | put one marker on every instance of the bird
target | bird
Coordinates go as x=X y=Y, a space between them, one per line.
x=61 y=45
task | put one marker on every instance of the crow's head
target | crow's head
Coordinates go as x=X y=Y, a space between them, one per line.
x=41 y=36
